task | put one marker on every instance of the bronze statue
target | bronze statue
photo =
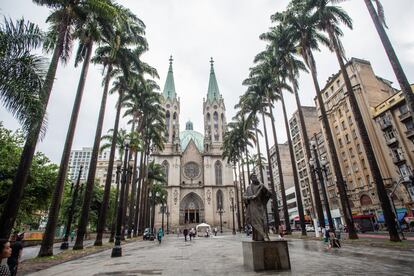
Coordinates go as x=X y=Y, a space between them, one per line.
x=256 y=198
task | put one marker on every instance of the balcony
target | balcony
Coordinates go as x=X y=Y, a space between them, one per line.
x=391 y=141
x=398 y=159
x=409 y=133
x=385 y=124
x=405 y=116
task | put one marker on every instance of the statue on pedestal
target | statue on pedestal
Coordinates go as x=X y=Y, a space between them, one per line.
x=256 y=198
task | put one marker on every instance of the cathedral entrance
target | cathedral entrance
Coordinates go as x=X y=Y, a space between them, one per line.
x=191 y=209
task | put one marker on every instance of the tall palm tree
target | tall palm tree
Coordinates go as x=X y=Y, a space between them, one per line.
x=328 y=17
x=21 y=80
x=61 y=19
x=378 y=17
x=304 y=32
x=115 y=52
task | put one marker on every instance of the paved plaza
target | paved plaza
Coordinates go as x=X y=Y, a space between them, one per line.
x=222 y=255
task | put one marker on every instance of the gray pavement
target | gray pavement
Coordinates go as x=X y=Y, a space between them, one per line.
x=222 y=255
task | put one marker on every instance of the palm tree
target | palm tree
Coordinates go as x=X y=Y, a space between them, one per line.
x=304 y=32
x=378 y=18
x=328 y=18
x=115 y=52
x=21 y=80
x=61 y=19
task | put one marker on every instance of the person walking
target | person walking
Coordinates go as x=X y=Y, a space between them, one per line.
x=185 y=233
x=72 y=235
x=160 y=234
x=5 y=252
x=17 y=250
x=215 y=231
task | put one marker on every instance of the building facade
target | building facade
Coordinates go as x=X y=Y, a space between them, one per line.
x=78 y=158
x=199 y=181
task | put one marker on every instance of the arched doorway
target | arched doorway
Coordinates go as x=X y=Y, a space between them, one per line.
x=191 y=209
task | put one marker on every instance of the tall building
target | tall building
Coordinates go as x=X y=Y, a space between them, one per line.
x=199 y=181
x=370 y=90
x=396 y=131
x=302 y=160
x=77 y=159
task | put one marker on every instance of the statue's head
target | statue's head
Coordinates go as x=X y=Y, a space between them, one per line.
x=253 y=178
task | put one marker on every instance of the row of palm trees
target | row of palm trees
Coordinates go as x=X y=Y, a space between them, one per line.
x=298 y=32
x=119 y=36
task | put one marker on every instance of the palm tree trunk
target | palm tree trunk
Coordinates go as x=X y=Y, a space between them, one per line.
x=108 y=181
x=132 y=202
x=138 y=201
x=83 y=220
x=340 y=183
x=389 y=216
x=126 y=197
x=11 y=207
x=275 y=206
x=236 y=189
x=305 y=139
x=242 y=189
x=259 y=154
x=282 y=186
x=247 y=164
x=142 y=196
x=392 y=56
x=113 y=224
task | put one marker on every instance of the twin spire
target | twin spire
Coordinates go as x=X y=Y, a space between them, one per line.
x=213 y=92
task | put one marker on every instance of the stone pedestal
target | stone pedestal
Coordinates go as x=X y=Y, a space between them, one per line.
x=266 y=255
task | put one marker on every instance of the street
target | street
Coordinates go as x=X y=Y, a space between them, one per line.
x=222 y=255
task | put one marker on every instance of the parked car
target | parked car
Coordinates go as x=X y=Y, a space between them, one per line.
x=309 y=228
x=147 y=234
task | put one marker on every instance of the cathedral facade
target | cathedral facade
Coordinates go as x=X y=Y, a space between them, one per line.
x=199 y=182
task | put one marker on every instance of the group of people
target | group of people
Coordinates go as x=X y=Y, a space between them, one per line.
x=10 y=255
x=191 y=233
x=331 y=238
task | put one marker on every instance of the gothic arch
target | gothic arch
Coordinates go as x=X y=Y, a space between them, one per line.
x=167 y=122
x=365 y=200
x=191 y=209
x=218 y=172
x=166 y=166
x=219 y=200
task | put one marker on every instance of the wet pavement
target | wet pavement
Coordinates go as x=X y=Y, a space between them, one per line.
x=222 y=255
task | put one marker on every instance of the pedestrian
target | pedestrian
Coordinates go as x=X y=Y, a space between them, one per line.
x=281 y=234
x=215 y=231
x=5 y=252
x=326 y=236
x=185 y=233
x=17 y=250
x=178 y=232
x=159 y=235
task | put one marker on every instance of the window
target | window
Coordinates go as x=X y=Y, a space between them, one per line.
x=340 y=112
x=336 y=129
x=338 y=82
x=350 y=120
x=347 y=138
x=166 y=167
x=354 y=135
x=403 y=109
x=363 y=163
x=340 y=142
x=404 y=170
x=409 y=125
x=389 y=135
x=359 y=148
x=355 y=167
x=218 y=173
x=351 y=152
x=219 y=197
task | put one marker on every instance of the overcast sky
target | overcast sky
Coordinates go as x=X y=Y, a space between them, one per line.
x=194 y=31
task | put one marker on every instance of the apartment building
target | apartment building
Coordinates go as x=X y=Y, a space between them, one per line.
x=78 y=158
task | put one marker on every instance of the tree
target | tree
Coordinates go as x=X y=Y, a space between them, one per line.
x=304 y=33
x=42 y=175
x=115 y=52
x=328 y=18
x=378 y=17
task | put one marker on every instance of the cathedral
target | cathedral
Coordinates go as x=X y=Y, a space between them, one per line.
x=199 y=182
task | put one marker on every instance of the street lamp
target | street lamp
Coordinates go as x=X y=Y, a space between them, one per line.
x=232 y=209
x=113 y=224
x=153 y=196
x=163 y=211
x=117 y=249
x=168 y=216
x=221 y=211
x=65 y=243
x=315 y=165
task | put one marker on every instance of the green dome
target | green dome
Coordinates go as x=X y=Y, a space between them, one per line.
x=187 y=135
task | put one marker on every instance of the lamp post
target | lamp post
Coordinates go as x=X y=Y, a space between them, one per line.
x=221 y=211
x=153 y=196
x=117 y=249
x=113 y=224
x=65 y=243
x=163 y=211
x=232 y=209
x=315 y=165
x=168 y=216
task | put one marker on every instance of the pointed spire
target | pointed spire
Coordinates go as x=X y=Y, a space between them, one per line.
x=169 y=87
x=213 y=92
